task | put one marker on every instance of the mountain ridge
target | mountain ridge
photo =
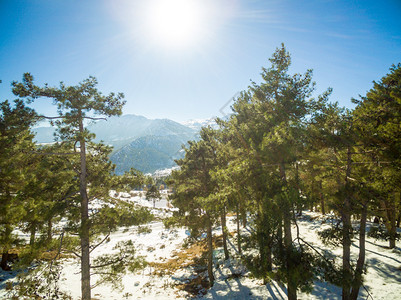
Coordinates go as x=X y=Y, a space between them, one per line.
x=145 y=144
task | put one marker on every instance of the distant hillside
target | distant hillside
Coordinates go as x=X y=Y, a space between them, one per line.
x=44 y=134
x=145 y=144
x=119 y=131
x=149 y=153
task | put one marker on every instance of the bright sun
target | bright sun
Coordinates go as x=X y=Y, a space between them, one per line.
x=175 y=23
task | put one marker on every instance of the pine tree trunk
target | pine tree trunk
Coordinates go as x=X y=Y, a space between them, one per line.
x=49 y=230
x=292 y=284
x=243 y=215
x=298 y=186
x=390 y=221
x=210 y=251
x=224 y=231
x=32 y=234
x=85 y=259
x=4 y=261
x=393 y=223
x=262 y=244
x=392 y=233
x=357 y=280
x=238 y=232
x=4 y=256
x=346 y=233
x=265 y=243
x=321 y=198
x=280 y=234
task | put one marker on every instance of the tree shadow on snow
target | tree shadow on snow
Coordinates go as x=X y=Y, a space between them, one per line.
x=384 y=269
x=231 y=287
x=6 y=279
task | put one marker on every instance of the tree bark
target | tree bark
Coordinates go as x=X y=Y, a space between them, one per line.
x=32 y=234
x=49 y=230
x=243 y=215
x=298 y=186
x=210 y=250
x=393 y=222
x=292 y=284
x=357 y=280
x=85 y=259
x=238 y=232
x=390 y=221
x=321 y=198
x=224 y=231
x=346 y=232
x=4 y=256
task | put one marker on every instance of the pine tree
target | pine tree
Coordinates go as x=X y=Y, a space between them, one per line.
x=378 y=117
x=153 y=194
x=75 y=105
x=270 y=119
x=15 y=162
x=194 y=193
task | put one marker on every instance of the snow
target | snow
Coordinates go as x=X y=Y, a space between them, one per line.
x=198 y=123
x=233 y=281
x=158 y=245
x=165 y=172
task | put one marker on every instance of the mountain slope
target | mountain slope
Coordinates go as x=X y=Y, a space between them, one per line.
x=149 y=153
x=145 y=144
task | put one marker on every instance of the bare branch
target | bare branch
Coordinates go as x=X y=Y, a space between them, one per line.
x=58 y=251
x=108 y=263
x=49 y=118
x=53 y=153
x=92 y=118
x=101 y=242
x=73 y=252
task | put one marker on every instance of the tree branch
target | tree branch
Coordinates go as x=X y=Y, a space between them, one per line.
x=101 y=242
x=92 y=118
x=59 y=249
x=108 y=263
x=73 y=252
x=49 y=118
x=53 y=153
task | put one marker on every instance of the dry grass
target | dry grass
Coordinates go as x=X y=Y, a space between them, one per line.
x=187 y=257
x=16 y=253
x=195 y=286
x=193 y=256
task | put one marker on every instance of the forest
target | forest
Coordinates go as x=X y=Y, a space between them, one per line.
x=282 y=151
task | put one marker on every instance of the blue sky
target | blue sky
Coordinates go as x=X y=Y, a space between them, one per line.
x=348 y=44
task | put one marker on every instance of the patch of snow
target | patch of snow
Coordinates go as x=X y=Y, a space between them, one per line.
x=198 y=123
x=233 y=281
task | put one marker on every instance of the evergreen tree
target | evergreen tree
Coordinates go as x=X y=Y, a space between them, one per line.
x=153 y=194
x=270 y=119
x=15 y=164
x=194 y=193
x=75 y=105
x=378 y=117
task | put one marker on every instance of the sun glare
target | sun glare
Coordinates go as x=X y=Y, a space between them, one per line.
x=175 y=23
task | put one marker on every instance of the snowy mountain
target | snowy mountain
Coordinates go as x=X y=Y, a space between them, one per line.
x=145 y=144
x=149 y=153
x=197 y=124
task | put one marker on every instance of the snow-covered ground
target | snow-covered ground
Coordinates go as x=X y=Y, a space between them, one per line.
x=233 y=281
